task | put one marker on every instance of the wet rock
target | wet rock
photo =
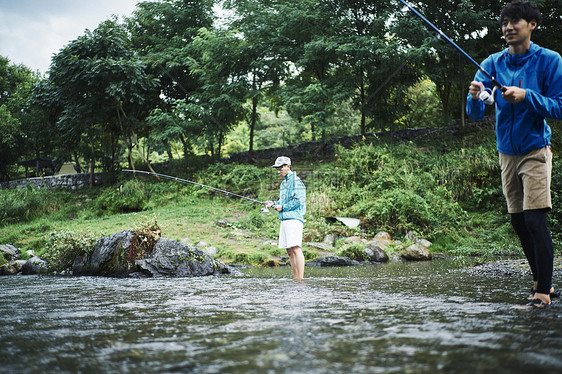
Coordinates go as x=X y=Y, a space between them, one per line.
x=108 y=257
x=10 y=252
x=517 y=268
x=18 y=264
x=333 y=261
x=416 y=252
x=34 y=265
x=376 y=252
x=8 y=269
x=172 y=259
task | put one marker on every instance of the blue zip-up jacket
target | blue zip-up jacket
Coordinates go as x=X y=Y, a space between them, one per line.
x=292 y=197
x=521 y=128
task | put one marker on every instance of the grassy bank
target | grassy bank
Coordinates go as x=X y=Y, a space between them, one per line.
x=447 y=192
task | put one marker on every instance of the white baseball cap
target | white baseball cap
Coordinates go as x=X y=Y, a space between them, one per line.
x=283 y=160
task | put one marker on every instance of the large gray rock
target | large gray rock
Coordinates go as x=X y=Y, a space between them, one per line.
x=33 y=266
x=333 y=261
x=417 y=252
x=376 y=252
x=108 y=257
x=172 y=259
x=168 y=258
x=10 y=252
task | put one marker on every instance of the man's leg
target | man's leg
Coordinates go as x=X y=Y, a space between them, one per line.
x=535 y=220
x=518 y=223
x=296 y=258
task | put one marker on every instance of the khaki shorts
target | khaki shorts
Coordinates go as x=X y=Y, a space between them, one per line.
x=526 y=180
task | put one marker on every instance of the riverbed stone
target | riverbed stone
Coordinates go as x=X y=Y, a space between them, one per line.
x=108 y=257
x=172 y=259
x=383 y=235
x=8 y=269
x=353 y=240
x=416 y=252
x=375 y=252
x=333 y=261
x=34 y=265
x=10 y=252
x=18 y=264
x=320 y=246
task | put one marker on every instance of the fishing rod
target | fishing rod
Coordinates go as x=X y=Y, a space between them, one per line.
x=195 y=183
x=441 y=34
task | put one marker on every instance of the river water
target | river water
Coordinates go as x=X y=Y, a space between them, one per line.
x=425 y=317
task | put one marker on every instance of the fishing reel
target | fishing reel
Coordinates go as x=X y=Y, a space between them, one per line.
x=487 y=95
x=264 y=209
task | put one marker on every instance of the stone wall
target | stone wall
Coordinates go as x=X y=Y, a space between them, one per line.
x=65 y=181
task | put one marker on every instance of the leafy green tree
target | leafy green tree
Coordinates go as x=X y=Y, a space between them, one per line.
x=472 y=25
x=219 y=103
x=101 y=86
x=11 y=135
x=266 y=66
x=25 y=131
x=162 y=33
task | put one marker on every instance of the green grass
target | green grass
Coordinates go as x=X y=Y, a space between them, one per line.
x=448 y=193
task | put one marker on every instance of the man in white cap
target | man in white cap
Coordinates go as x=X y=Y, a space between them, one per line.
x=292 y=208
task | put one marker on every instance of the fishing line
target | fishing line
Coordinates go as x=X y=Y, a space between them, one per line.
x=440 y=34
x=198 y=184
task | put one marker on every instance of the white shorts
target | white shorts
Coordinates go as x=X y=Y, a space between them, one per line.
x=290 y=233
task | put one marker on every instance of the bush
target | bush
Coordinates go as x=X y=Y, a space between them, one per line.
x=23 y=205
x=354 y=251
x=61 y=248
x=132 y=196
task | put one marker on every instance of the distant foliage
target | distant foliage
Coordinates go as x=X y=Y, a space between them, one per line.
x=23 y=205
x=131 y=196
x=407 y=186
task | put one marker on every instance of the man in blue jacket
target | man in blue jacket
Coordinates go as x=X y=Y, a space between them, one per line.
x=532 y=76
x=291 y=207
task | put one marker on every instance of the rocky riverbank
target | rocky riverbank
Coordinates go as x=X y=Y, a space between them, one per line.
x=517 y=268
x=123 y=255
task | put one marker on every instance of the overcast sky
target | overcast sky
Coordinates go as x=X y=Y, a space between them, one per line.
x=31 y=31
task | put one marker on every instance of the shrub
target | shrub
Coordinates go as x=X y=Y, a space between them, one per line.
x=61 y=248
x=132 y=196
x=23 y=205
x=354 y=252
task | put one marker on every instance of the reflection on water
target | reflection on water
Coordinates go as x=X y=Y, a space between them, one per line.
x=394 y=318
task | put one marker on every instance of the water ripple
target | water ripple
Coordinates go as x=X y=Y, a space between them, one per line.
x=399 y=318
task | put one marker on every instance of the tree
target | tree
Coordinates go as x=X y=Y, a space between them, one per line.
x=100 y=86
x=219 y=103
x=265 y=65
x=25 y=131
x=161 y=34
x=470 y=24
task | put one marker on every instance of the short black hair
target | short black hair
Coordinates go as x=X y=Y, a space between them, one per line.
x=521 y=9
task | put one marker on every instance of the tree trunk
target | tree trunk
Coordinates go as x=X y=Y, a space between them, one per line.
x=253 y=121
x=92 y=164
